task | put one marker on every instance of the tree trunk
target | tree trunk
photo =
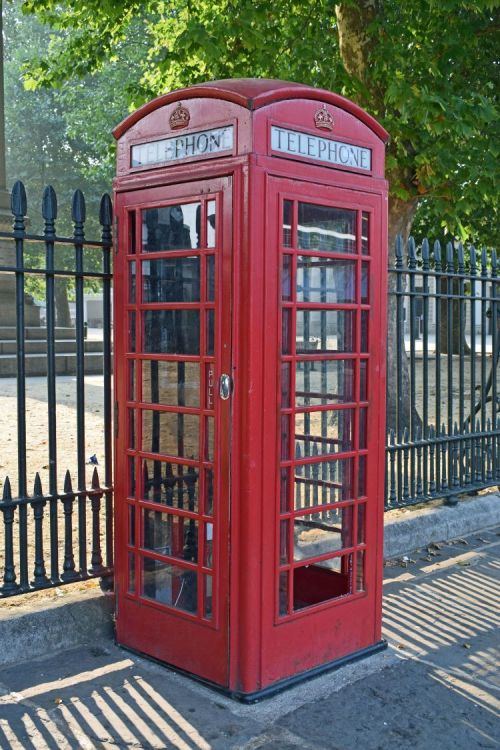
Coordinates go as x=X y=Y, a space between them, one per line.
x=453 y=323
x=63 y=317
x=356 y=42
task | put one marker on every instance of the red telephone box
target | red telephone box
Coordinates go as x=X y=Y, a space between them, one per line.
x=250 y=287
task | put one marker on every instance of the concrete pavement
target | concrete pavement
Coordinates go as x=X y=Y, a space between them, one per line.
x=437 y=686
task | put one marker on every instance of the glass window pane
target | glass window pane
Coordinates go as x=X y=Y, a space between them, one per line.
x=323 y=483
x=313 y=584
x=286 y=329
x=285 y=385
x=171 y=227
x=131 y=332
x=131 y=232
x=361 y=524
x=131 y=476
x=365 y=282
x=171 y=383
x=283 y=594
x=170 y=484
x=170 y=433
x=328 y=229
x=362 y=428
x=168 y=534
x=211 y=219
x=131 y=573
x=362 y=477
x=321 y=432
x=326 y=280
x=131 y=379
x=363 y=393
x=286 y=278
x=324 y=382
x=171 y=280
x=209 y=439
x=131 y=525
x=131 y=428
x=283 y=542
x=132 y=282
x=360 y=571
x=325 y=331
x=209 y=492
x=365 y=236
x=171 y=331
x=210 y=332
x=285 y=437
x=209 y=541
x=364 y=331
x=208 y=606
x=287 y=223
x=210 y=278
x=318 y=533
x=170 y=585
x=284 y=490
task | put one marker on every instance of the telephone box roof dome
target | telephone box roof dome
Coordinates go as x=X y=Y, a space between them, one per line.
x=252 y=93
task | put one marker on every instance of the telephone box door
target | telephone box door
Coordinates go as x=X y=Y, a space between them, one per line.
x=173 y=294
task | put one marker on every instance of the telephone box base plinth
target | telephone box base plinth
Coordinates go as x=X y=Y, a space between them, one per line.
x=277 y=687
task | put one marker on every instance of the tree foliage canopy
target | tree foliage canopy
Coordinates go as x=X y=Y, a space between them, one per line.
x=426 y=69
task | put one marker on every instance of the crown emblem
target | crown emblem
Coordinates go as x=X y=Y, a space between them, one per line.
x=323 y=119
x=179 y=118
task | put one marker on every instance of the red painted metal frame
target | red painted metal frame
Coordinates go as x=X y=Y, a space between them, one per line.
x=257 y=647
x=175 y=636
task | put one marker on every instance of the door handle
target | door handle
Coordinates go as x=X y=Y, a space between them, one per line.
x=224 y=386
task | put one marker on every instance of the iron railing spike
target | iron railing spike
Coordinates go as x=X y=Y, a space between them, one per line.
x=105 y=211
x=18 y=200
x=68 y=485
x=78 y=209
x=437 y=252
x=425 y=250
x=494 y=262
x=399 y=250
x=95 y=479
x=461 y=257
x=37 y=486
x=450 y=253
x=472 y=259
x=49 y=204
x=7 y=491
x=484 y=259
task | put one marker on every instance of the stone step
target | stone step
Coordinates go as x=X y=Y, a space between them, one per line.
x=35 y=332
x=34 y=346
x=36 y=364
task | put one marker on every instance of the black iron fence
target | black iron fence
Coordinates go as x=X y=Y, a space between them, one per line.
x=444 y=439
x=63 y=534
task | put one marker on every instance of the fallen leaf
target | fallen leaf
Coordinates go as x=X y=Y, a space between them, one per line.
x=466 y=645
x=435 y=545
x=58 y=701
x=463 y=563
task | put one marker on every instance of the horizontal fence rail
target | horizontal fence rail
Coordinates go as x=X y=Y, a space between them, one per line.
x=446 y=437
x=57 y=534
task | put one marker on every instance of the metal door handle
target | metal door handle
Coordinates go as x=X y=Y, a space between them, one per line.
x=224 y=386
